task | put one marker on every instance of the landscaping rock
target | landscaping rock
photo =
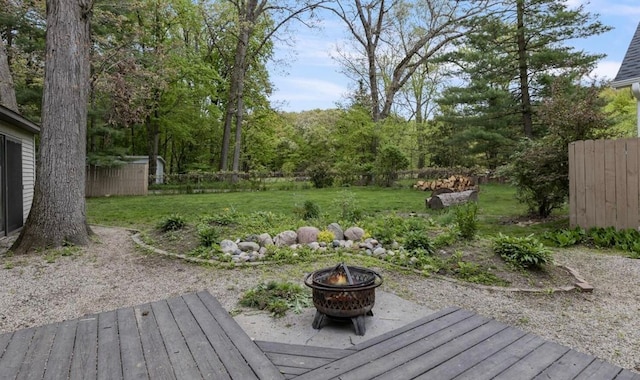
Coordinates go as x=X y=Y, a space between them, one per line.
x=265 y=240
x=254 y=238
x=314 y=245
x=354 y=233
x=338 y=234
x=307 y=235
x=228 y=246
x=248 y=246
x=379 y=251
x=285 y=238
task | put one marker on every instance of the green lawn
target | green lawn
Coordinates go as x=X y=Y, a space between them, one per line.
x=496 y=202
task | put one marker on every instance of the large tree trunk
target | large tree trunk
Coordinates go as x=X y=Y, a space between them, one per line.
x=7 y=91
x=58 y=212
x=523 y=71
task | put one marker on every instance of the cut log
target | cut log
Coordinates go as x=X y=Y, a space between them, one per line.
x=441 y=201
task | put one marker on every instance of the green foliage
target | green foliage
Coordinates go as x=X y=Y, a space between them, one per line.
x=466 y=219
x=320 y=176
x=208 y=234
x=277 y=298
x=566 y=237
x=309 y=210
x=348 y=205
x=540 y=172
x=525 y=252
x=173 y=222
x=418 y=241
x=625 y=240
x=472 y=272
x=389 y=161
x=326 y=236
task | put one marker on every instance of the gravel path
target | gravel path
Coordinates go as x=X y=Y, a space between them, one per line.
x=114 y=273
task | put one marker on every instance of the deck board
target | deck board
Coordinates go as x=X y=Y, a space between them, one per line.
x=85 y=350
x=193 y=337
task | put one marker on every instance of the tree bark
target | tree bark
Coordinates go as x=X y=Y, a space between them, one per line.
x=523 y=73
x=443 y=200
x=58 y=212
x=7 y=91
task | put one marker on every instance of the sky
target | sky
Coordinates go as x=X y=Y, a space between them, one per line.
x=306 y=77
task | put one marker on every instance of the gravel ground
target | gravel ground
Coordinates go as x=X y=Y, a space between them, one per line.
x=113 y=273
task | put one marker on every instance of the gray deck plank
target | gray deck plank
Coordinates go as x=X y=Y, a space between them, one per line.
x=287 y=360
x=203 y=353
x=258 y=361
x=59 y=361
x=15 y=353
x=219 y=340
x=534 y=363
x=85 y=350
x=599 y=370
x=286 y=371
x=414 y=359
x=567 y=367
x=420 y=366
x=476 y=354
x=109 y=363
x=303 y=350
x=627 y=375
x=410 y=326
x=35 y=360
x=4 y=341
x=155 y=352
x=180 y=356
x=133 y=363
x=502 y=359
x=372 y=353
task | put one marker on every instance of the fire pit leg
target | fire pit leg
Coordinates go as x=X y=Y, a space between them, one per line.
x=317 y=320
x=358 y=324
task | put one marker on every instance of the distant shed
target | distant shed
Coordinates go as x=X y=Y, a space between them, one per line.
x=17 y=169
x=160 y=164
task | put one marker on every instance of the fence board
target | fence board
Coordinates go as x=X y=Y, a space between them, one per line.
x=604 y=183
x=590 y=194
x=573 y=220
x=632 y=184
x=599 y=188
x=610 y=182
x=130 y=179
x=621 y=183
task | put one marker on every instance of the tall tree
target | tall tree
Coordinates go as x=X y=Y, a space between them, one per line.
x=253 y=16
x=57 y=215
x=7 y=91
x=393 y=38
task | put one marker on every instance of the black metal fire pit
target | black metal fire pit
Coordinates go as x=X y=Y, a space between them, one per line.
x=343 y=292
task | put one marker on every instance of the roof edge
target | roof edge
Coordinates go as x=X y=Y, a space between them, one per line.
x=13 y=117
x=625 y=82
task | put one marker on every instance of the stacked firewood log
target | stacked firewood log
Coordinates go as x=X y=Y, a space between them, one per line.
x=455 y=183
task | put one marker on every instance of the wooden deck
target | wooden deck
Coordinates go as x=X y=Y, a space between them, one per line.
x=193 y=337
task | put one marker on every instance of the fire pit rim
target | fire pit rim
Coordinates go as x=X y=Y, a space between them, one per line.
x=377 y=281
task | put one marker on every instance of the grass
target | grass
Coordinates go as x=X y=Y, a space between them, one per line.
x=496 y=203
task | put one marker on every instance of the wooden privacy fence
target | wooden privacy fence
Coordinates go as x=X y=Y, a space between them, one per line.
x=130 y=179
x=604 y=176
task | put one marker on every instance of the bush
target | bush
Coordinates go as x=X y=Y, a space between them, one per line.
x=525 y=252
x=348 y=205
x=320 y=176
x=208 y=234
x=326 y=236
x=418 y=240
x=172 y=222
x=565 y=238
x=389 y=160
x=466 y=220
x=311 y=210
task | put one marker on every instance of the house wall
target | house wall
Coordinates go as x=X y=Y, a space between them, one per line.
x=28 y=162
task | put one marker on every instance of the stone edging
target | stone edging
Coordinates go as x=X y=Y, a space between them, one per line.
x=580 y=285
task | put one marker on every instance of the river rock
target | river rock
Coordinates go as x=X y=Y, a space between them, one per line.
x=285 y=238
x=307 y=235
x=354 y=233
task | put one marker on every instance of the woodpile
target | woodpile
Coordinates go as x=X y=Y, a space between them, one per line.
x=455 y=183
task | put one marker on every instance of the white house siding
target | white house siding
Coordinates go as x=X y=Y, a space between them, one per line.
x=28 y=163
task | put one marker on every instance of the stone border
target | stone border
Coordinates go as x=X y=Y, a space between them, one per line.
x=580 y=284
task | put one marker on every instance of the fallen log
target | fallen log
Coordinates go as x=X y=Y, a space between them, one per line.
x=443 y=200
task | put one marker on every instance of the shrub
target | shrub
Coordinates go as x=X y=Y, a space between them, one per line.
x=326 y=236
x=418 y=240
x=466 y=219
x=348 y=205
x=525 y=252
x=320 y=176
x=173 y=222
x=389 y=160
x=565 y=238
x=311 y=210
x=208 y=234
